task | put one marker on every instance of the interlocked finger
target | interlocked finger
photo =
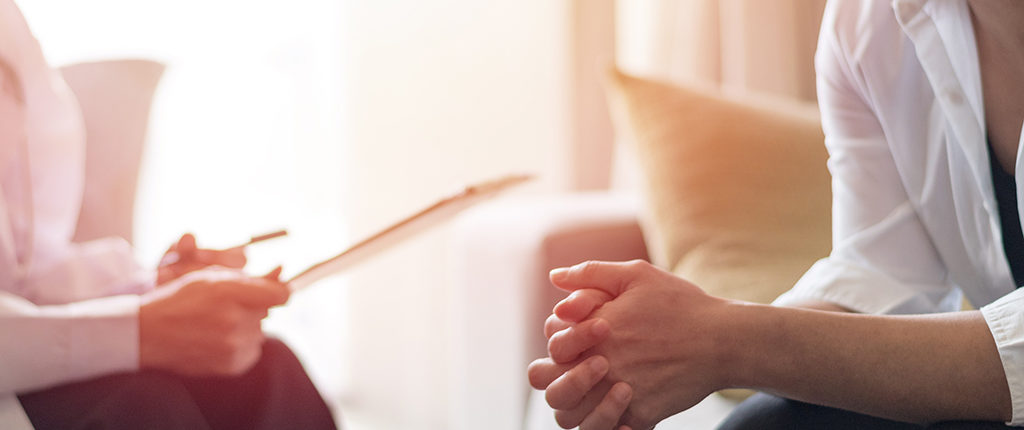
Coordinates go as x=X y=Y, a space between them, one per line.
x=606 y=415
x=580 y=304
x=568 y=390
x=571 y=418
x=566 y=345
x=554 y=324
x=543 y=371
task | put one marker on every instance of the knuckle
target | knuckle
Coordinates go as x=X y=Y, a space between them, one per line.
x=555 y=397
x=553 y=324
x=558 y=348
x=550 y=325
x=586 y=330
x=638 y=264
x=566 y=392
x=587 y=268
x=231 y=317
x=589 y=295
x=566 y=420
x=577 y=383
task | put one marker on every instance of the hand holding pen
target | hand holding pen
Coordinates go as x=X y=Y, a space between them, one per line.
x=206 y=321
x=184 y=256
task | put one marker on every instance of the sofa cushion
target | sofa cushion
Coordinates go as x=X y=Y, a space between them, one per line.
x=738 y=192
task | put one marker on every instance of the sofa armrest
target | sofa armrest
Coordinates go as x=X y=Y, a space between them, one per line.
x=501 y=295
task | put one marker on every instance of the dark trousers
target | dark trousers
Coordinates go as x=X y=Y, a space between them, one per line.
x=766 y=412
x=274 y=394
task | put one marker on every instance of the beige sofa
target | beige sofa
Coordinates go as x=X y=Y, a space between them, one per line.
x=734 y=196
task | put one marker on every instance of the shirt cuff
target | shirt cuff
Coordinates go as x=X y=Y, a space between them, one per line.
x=863 y=290
x=52 y=345
x=105 y=336
x=1005 y=320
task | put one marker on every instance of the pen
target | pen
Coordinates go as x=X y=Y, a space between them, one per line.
x=174 y=257
x=261 y=238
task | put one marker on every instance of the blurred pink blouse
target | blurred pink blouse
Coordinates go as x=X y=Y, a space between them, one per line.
x=68 y=311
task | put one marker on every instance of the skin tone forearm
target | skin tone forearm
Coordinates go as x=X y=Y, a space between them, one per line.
x=633 y=345
x=909 y=368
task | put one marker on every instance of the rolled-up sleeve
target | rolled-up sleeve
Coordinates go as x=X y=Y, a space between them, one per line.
x=1005 y=320
x=882 y=259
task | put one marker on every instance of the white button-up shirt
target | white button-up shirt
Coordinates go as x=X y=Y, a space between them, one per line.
x=67 y=311
x=915 y=220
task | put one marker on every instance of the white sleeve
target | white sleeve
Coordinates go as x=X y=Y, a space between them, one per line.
x=1006 y=323
x=83 y=271
x=42 y=346
x=72 y=316
x=882 y=259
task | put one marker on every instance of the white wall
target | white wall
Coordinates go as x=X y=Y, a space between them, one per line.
x=441 y=93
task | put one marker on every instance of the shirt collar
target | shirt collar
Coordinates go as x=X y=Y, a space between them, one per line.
x=943 y=40
x=946 y=23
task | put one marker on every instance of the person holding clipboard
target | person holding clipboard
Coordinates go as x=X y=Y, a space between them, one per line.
x=88 y=339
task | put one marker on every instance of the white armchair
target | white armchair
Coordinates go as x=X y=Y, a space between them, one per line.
x=115 y=98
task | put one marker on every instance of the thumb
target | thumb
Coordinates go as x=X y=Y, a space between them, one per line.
x=611 y=277
x=186 y=245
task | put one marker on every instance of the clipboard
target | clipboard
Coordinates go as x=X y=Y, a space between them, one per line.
x=423 y=220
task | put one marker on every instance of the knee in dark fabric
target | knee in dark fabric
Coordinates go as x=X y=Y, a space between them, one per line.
x=150 y=400
x=767 y=412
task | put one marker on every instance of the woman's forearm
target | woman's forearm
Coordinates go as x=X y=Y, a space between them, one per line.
x=913 y=368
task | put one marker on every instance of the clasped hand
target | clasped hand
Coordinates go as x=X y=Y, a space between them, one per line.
x=629 y=347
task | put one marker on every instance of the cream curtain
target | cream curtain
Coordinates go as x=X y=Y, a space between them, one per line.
x=747 y=45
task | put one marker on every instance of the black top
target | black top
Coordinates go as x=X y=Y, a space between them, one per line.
x=1013 y=239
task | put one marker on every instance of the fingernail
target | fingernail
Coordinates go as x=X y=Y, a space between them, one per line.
x=599 y=365
x=600 y=328
x=559 y=274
